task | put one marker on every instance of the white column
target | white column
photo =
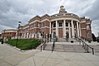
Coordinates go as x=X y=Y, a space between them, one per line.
x=50 y=27
x=56 y=28
x=30 y=34
x=27 y=34
x=64 y=29
x=72 y=29
x=22 y=35
x=77 y=29
x=69 y=30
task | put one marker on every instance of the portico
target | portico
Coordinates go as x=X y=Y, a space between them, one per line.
x=61 y=27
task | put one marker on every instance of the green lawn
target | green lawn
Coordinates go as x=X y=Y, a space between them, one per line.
x=24 y=44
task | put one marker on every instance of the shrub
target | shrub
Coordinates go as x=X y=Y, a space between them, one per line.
x=24 y=44
x=93 y=37
x=97 y=39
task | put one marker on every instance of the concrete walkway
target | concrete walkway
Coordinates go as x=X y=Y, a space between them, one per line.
x=10 y=56
x=47 y=58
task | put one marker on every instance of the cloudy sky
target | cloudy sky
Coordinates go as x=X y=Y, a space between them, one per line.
x=12 y=11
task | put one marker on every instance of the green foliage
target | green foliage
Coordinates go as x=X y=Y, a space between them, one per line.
x=24 y=44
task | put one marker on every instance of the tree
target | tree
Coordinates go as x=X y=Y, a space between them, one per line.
x=93 y=37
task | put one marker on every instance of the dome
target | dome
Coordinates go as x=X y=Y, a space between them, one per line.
x=62 y=10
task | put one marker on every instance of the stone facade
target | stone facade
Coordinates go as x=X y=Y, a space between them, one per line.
x=60 y=24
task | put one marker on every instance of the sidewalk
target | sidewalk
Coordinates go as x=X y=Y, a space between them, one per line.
x=10 y=56
x=47 y=58
x=7 y=50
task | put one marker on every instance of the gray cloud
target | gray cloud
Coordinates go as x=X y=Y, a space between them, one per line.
x=93 y=13
x=12 y=11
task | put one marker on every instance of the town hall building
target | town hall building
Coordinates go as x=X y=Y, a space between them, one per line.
x=59 y=24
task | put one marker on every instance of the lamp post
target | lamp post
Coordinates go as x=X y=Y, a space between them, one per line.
x=18 y=32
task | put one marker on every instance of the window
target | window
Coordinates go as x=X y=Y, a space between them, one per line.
x=70 y=24
x=32 y=25
x=38 y=24
x=68 y=21
x=60 y=24
x=66 y=24
x=43 y=24
x=87 y=27
x=75 y=24
x=54 y=24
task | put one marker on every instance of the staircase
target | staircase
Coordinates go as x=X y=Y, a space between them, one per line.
x=62 y=46
x=65 y=47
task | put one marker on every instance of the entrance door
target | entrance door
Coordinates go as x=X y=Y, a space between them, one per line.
x=60 y=32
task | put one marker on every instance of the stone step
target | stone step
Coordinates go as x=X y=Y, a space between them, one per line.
x=70 y=47
x=65 y=48
x=67 y=43
x=64 y=40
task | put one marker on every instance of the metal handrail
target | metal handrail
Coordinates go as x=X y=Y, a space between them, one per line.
x=85 y=46
x=53 y=46
x=54 y=40
x=43 y=45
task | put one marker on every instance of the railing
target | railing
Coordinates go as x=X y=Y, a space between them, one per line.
x=43 y=45
x=85 y=46
x=53 y=46
x=54 y=40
